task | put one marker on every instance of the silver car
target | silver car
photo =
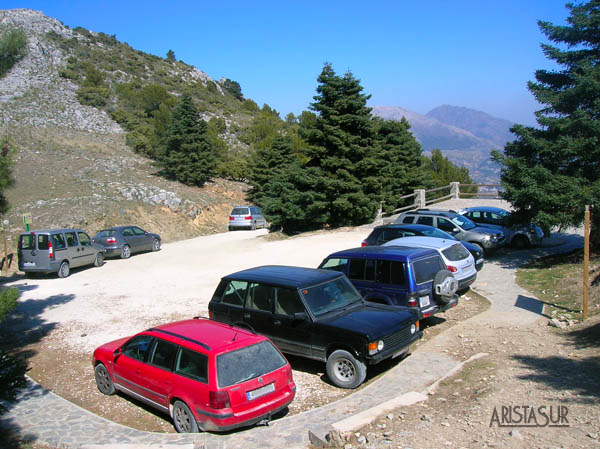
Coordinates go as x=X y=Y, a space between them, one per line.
x=57 y=251
x=123 y=241
x=496 y=218
x=246 y=217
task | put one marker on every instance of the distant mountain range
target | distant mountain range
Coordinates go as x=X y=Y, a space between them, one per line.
x=466 y=136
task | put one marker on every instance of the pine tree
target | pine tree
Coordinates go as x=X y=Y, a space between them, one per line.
x=266 y=163
x=6 y=179
x=402 y=168
x=341 y=149
x=549 y=173
x=290 y=200
x=187 y=156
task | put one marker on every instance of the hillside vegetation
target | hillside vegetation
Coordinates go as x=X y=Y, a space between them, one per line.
x=110 y=135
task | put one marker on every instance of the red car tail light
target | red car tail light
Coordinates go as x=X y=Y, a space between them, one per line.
x=364 y=243
x=412 y=302
x=210 y=314
x=452 y=269
x=50 y=250
x=231 y=218
x=218 y=399
x=289 y=375
x=248 y=217
x=111 y=240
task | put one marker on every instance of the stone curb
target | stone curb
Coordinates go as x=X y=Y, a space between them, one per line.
x=341 y=430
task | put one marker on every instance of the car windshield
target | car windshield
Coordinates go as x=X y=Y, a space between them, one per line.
x=437 y=233
x=248 y=363
x=334 y=295
x=463 y=222
x=240 y=211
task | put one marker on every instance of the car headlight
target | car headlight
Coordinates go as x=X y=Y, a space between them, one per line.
x=486 y=237
x=375 y=347
x=413 y=328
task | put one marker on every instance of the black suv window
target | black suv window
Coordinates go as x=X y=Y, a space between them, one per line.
x=137 y=347
x=330 y=296
x=164 y=354
x=192 y=364
x=287 y=301
x=260 y=297
x=235 y=293
x=426 y=269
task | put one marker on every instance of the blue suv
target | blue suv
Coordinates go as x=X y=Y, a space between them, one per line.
x=399 y=276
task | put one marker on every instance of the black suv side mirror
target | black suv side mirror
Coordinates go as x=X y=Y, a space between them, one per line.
x=300 y=316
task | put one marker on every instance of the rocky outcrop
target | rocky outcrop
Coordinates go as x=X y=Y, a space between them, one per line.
x=33 y=93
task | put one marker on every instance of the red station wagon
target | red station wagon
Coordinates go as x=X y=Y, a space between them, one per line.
x=206 y=375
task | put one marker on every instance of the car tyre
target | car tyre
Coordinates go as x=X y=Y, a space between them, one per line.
x=103 y=380
x=230 y=228
x=444 y=286
x=344 y=370
x=520 y=242
x=64 y=270
x=183 y=418
x=253 y=227
x=125 y=252
x=478 y=245
x=155 y=245
x=99 y=260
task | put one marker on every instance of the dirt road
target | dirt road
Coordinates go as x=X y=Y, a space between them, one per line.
x=95 y=305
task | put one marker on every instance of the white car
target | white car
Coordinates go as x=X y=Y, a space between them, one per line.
x=458 y=260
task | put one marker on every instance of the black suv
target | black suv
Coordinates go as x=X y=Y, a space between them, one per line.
x=457 y=225
x=316 y=314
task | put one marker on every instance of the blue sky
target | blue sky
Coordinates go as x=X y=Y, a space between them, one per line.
x=416 y=55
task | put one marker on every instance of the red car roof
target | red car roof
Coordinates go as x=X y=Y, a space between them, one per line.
x=207 y=334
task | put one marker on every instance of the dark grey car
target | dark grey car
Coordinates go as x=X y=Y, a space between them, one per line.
x=57 y=251
x=123 y=241
x=457 y=225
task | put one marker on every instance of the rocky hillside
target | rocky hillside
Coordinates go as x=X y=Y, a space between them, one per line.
x=73 y=168
x=464 y=135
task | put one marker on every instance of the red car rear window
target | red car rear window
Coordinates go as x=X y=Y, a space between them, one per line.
x=248 y=363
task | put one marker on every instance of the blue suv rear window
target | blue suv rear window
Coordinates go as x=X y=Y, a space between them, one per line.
x=426 y=269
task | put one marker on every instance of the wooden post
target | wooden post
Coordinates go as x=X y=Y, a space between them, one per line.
x=586 y=262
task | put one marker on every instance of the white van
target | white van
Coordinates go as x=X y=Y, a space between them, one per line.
x=456 y=257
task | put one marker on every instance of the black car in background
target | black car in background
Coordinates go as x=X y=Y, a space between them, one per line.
x=385 y=233
x=316 y=314
x=123 y=241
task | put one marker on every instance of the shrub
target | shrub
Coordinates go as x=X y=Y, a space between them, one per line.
x=13 y=46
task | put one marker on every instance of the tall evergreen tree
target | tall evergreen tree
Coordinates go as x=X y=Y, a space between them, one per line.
x=341 y=149
x=401 y=168
x=265 y=163
x=187 y=156
x=291 y=202
x=549 y=173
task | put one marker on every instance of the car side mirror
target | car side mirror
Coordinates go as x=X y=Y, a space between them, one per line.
x=300 y=316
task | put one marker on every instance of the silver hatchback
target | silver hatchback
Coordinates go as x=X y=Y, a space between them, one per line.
x=246 y=217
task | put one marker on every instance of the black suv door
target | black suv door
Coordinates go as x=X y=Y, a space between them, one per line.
x=292 y=331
